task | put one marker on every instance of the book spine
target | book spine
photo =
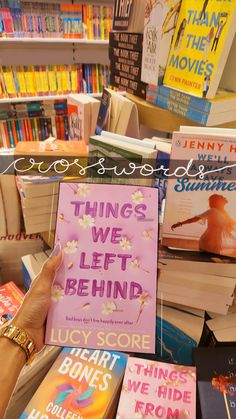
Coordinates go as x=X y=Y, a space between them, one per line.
x=185 y=99
x=179 y=109
x=131 y=72
x=130 y=41
x=10 y=133
x=133 y=87
x=6 y=134
x=3 y=136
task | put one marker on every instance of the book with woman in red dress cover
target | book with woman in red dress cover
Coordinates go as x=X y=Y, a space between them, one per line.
x=104 y=293
x=157 y=390
x=200 y=204
x=82 y=383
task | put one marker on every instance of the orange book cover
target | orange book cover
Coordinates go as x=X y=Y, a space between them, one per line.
x=6 y=134
x=31 y=137
x=69 y=148
x=11 y=298
x=14 y=132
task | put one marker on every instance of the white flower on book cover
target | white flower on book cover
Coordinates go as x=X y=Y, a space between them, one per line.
x=81 y=189
x=137 y=197
x=148 y=234
x=144 y=299
x=109 y=307
x=57 y=293
x=125 y=243
x=71 y=247
x=86 y=221
x=136 y=264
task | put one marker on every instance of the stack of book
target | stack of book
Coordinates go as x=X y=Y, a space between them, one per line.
x=196 y=79
x=10 y=214
x=126 y=45
x=66 y=20
x=32 y=265
x=39 y=197
x=12 y=248
x=197 y=279
x=46 y=80
x=220 y=330
x=125 y=54
x=208 y=112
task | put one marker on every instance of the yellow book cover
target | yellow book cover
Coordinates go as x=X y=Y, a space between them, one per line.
x=52 y=80
x=21 y=81
x=74 y=78
x=9 y=81
x=65 y=79
x=29 y=80
x=201 y=45
x=44 y=79
x=37 y=78
x=59 y=79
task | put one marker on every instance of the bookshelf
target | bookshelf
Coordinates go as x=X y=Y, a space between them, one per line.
x=86 y=42
x=40 y=98
x=162 y=120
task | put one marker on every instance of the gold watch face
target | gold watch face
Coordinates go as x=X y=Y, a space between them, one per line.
x=22 y=337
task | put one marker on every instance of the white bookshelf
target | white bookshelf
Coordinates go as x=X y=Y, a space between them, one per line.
x=86 y=42
x=40 y=98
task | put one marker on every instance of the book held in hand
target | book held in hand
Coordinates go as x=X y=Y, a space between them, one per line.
x=104 y=293
x=81 y=384
x=156 y=389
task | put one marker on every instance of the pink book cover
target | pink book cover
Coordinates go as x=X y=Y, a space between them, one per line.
x=200 y=204
x=157 y=390
x=104 y=293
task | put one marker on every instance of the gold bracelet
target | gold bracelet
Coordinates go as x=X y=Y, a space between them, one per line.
x=21 y=338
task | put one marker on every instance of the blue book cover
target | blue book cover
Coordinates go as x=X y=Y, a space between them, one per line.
x=172 y=344
x=185 y=111
x=185 y=99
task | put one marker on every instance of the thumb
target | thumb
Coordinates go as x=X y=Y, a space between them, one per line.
x=50 y=267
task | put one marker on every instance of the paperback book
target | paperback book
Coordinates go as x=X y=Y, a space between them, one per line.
x=10 y=301
x=200 y=213
x=105 y=298
x=202 y=40
x=159 y=25
x=81 y=384
x=156 y=389
x=216 y=376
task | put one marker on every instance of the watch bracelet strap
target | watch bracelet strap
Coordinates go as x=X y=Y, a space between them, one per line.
x=15 y=334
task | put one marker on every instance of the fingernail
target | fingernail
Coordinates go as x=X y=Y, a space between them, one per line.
x=56 y=250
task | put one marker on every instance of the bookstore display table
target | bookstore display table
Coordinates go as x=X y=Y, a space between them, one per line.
x=163 y=120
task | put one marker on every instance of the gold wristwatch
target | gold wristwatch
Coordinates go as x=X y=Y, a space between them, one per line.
x=21 y=338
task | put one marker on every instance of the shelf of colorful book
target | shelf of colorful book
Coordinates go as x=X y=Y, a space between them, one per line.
x=55 y=40
x=36 y=98
x=163 y=120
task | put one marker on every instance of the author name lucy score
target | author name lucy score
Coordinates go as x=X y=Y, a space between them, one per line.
x=63 y=336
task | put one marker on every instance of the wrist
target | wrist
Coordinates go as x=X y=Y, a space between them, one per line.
x=20 y=337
